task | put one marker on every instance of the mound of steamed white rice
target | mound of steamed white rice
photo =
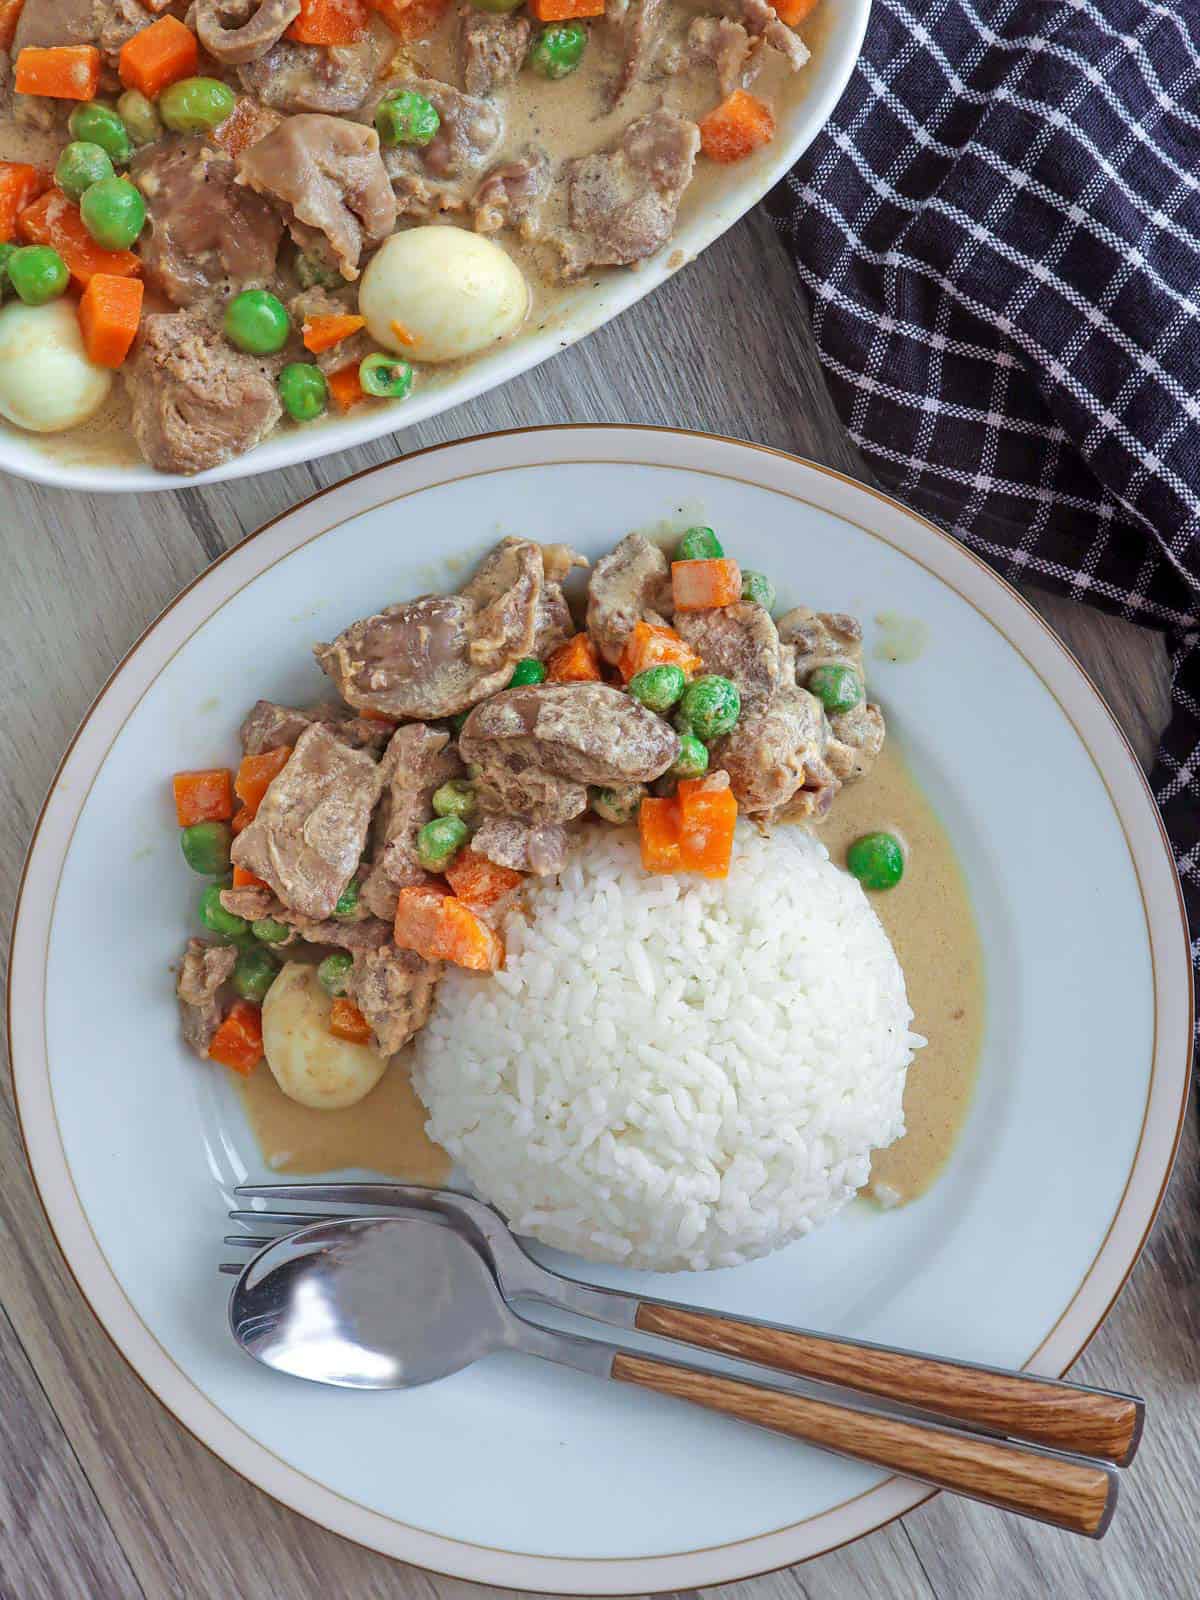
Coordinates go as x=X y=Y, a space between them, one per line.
x=675 y=1073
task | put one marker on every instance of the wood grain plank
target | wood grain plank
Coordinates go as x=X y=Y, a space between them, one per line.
x=1151 y=1341
x=86 y=574
x=883 y=1567
x=50 y=1522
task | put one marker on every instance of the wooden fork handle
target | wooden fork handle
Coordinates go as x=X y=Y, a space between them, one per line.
x=1062 y=1416
x=1079 y=1496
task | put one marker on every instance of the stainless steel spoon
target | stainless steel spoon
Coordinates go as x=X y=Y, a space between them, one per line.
x=1019 y=1405
x=395 y=1302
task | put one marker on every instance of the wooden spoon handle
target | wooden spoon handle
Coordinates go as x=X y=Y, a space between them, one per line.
x=1079 y=1496
x=1062 y=1416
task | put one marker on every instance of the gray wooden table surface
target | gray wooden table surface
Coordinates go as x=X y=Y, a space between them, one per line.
x=102 y=1495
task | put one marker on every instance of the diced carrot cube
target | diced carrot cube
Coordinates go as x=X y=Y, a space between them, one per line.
x=237 y=1043
x=321 y=333
x=704 y=585
x=344 y=386
x=256 y=774
x=203 y=796
x=10 y=15
x=650 y=645
x=20 y=184
x=736 y=128
x=794 y=11
x=158 y=56
x=109 y=313
x=441 y=927
x=708 y=816
x=60 y=72
x=575 y=661
x=658 y=834
x=329 y=22
x=467 y=941
x=243 y=878
x=565 y=10
x=241 y=817
x=346 y=1021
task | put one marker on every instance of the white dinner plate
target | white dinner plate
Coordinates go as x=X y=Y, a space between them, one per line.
x=514 y=1473
x=836 y=38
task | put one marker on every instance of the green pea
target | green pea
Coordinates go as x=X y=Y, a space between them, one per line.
x=699 y=544
x=558 y=49
x=876 y=860
x=334 y=973
x=100 y=124
x=194 y=105
x=254 y=974
x=79 y=166
x=692 y=760
x=619 y=804
x=303 y=390
x=757 y=587
x=6 y=250
x=528 y=670
x=836 y=686
x=37 y=273
x=454 y=799
x=214 y=915
x=348 y=900
x=386 y=377
x=658 y=688
x=439 y=841
x=458 y=719
x=142 y=122
x=269 y=931
x=205 y=847
x=113 y=212
x=312 y=272
x=257 y=322
x=711 y=705
x=407 y=118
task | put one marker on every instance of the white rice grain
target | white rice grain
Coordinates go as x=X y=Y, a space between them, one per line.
x=671 y=1072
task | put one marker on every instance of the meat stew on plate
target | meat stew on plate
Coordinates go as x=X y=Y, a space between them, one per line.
x=220 y=219
x=519 y=889
x=389 y=832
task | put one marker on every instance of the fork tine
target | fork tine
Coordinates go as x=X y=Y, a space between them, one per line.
x=291 y=1191
x=293 y=1219
x=249 y=1241
x=346 y=1194
x=233 y=1268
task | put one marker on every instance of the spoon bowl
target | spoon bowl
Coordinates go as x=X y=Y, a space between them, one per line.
x=370 y=1303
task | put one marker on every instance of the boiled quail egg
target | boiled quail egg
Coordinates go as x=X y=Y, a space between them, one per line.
x=47 y=384
x=440 y=293
x=308 y=1062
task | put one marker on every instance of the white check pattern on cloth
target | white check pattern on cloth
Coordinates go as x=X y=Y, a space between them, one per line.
x=999 y=235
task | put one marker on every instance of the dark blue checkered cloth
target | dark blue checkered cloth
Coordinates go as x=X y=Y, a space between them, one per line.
x=999 y=235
